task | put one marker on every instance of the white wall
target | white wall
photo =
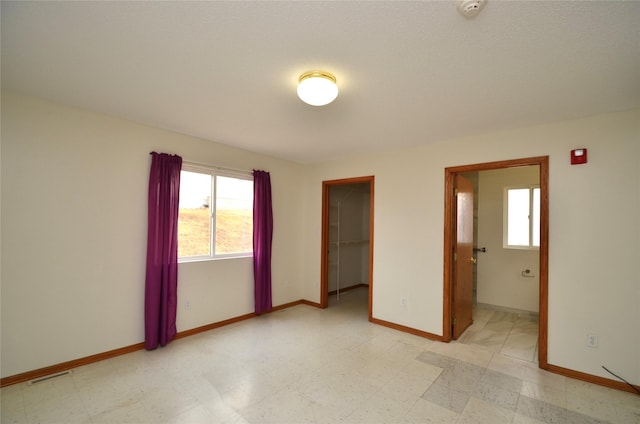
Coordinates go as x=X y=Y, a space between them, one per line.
x=74 y=204
x=500 y=280
x=594 y=233
x=74 y=229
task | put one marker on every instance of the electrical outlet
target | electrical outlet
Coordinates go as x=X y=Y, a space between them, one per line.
x=187 y=304
x=403 y=302
x=592 y=340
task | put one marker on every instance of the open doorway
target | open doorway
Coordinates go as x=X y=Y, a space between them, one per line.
x=347 y=240
x=460 y=257
x=505 y=262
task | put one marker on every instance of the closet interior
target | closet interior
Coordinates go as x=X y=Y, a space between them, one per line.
x=348 y=237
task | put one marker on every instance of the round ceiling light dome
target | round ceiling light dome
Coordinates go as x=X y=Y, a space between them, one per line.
x=317 y=88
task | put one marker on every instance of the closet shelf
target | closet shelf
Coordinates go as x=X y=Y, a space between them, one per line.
x=348 y=242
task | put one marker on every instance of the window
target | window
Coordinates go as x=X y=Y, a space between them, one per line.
x=521 y=218
x=215 y=218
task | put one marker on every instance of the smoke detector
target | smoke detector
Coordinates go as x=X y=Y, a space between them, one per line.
x=470 y=8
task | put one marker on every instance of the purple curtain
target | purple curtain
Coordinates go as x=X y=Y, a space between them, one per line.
x=262 y=236
x=161 y=297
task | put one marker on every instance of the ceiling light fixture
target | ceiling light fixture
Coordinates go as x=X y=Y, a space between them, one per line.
x=317 y=88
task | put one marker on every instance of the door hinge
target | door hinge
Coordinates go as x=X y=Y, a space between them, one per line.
x=455 y=256
x=455 y=191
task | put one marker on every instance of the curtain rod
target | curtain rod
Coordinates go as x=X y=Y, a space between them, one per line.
x=219 y=168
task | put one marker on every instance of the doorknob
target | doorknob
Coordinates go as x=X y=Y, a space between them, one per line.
x=473 y=260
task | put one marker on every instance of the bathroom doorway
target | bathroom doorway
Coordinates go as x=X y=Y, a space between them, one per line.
x=451 y=258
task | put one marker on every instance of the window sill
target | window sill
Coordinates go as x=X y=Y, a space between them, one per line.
x=213 y=258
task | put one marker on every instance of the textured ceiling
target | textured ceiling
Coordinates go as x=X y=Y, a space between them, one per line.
x=409 y=73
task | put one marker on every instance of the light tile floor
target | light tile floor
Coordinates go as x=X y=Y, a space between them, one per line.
x=307 y=365
x=507 y=333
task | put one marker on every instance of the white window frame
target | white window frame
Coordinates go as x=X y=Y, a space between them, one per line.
x=505 y=218
x=215 y=172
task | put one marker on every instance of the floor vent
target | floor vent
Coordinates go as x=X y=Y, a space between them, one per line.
x=48 y=377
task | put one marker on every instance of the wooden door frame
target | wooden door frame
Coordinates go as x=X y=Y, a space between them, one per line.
x=324 y=259
x=543 y=163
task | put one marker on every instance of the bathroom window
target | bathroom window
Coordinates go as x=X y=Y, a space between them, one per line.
x=521 y=218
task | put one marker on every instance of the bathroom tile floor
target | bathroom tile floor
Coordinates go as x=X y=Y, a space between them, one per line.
x=307 y=365
x=506 y=333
